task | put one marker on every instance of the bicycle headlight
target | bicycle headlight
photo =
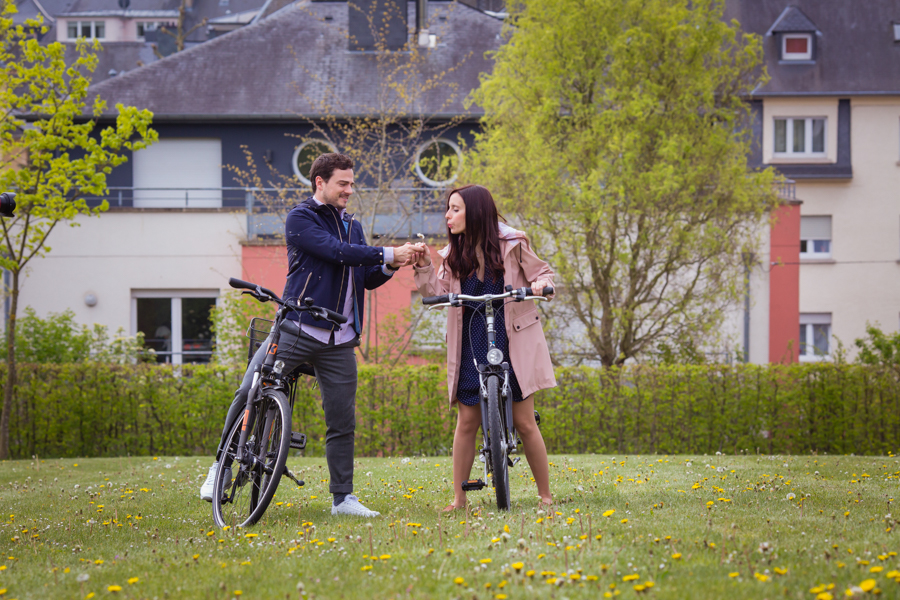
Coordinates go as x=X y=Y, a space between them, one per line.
x=495 y=356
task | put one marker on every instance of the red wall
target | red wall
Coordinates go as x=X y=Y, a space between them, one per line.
x=267 y=266
x=784 y=285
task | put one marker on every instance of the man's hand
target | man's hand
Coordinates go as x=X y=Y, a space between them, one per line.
x=407 y=254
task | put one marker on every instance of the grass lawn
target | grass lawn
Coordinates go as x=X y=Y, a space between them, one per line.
x=637 y=526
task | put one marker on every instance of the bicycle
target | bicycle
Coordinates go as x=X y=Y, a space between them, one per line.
x=499 y=433
x=258 y=443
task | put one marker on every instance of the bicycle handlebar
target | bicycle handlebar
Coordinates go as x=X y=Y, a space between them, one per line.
x=262 y=294
x=455 y=299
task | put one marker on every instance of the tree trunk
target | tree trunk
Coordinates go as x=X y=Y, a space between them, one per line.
x=9 y=388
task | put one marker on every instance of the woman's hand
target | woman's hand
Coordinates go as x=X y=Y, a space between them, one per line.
x=424 y=257
x=537 y=288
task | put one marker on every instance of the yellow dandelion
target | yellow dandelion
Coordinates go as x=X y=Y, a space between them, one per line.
x=485 y=561
x=114 y=588
x=518 y=566
x=133 y=580
x=868 y=585
x=459 y=581
x=734 y=574
x=631 y=577
x=676 y=556
x=609 y=513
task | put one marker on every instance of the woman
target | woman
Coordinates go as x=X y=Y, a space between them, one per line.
x=482 y=257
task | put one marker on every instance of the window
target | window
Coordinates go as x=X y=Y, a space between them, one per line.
x=305 y=154
x=145 y=26
x=815 y=237
x=438 y=162
x=178 y=173
x=176 y=325
x=815 y=333
x=796 y=136
x=896 y=27
x=796 y=46
x=86 y=29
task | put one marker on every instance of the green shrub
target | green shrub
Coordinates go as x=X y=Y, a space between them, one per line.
x=89 y=409
x=59 y=339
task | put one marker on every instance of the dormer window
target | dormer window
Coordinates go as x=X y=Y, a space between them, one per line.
x=796 y=46
x=91 y=30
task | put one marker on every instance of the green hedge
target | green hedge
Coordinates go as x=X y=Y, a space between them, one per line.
x=110 y=410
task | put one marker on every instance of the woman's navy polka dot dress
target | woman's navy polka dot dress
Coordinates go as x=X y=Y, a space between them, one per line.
x=468 y=391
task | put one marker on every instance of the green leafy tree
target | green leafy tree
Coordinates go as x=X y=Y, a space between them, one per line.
x=54 y=155
x=615 y=132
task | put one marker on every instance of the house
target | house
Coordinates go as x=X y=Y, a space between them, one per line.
x=829 y=119
x=130 y=31
x=181 y=221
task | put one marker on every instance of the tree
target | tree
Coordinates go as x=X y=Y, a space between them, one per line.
x=615 y=132
x=53 y=154
x=383 y=136
x=182 y=31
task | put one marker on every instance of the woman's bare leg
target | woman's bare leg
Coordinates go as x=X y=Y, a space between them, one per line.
x=535 y=450
x=468 y=420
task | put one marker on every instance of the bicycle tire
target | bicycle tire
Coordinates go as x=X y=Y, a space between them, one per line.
x=243 y=499
x=497 y=435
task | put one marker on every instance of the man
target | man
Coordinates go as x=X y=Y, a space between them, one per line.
x=329 y=261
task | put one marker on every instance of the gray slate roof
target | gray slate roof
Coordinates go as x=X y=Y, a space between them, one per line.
x=294 y=62
x=855 y=53
x=792 y=20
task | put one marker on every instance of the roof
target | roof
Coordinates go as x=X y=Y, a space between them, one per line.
x=119 y=57
x=855 y=53
x=125 y=14
x=792 y=20
x=295 y=63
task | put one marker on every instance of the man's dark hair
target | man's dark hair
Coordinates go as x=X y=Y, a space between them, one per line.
x=325 y=165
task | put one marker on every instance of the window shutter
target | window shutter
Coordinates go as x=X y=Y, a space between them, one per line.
x=815 y=228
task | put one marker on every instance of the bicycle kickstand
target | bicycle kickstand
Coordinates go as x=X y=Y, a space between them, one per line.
x=292 y=477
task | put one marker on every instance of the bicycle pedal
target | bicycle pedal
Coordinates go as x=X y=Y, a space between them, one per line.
x=473 y=485
x=513 y=461
x=298 y=440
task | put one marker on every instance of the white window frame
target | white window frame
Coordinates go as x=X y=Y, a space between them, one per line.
x=303 y=179
x=806 y=349
x=432 y=182
x=808 y=137
x=810 y=245
x=78 y=27
x=176 y=296
x=785 y=55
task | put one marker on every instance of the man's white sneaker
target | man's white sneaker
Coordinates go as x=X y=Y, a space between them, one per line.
x=351 y=506
x=206 y=490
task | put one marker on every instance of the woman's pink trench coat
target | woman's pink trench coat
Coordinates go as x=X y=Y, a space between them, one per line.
x=528 y=351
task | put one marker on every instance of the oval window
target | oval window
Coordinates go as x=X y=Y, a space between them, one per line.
x=305 y=154
x=438 y=162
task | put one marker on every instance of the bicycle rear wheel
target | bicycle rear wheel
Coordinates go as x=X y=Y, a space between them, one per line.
x=243 y=490
x=497 y=436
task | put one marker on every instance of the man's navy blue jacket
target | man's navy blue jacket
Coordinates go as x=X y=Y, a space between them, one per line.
x=321 y=249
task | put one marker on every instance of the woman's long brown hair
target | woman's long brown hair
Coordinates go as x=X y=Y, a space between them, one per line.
x=481 y=231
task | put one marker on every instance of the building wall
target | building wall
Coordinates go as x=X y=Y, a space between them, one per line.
x=861 y=283
x=112 y=255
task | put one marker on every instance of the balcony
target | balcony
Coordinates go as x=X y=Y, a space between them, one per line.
x=395 y=213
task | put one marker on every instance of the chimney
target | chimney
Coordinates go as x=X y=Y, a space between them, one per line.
x=377 y=24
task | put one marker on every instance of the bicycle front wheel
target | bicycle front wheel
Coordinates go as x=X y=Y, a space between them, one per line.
x=243 y=489
x=497 y=436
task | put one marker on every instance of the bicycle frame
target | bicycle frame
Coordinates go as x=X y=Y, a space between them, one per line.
x=495 y=367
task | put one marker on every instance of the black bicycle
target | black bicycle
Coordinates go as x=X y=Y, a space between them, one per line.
x=253 y=461
x=500 y=438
